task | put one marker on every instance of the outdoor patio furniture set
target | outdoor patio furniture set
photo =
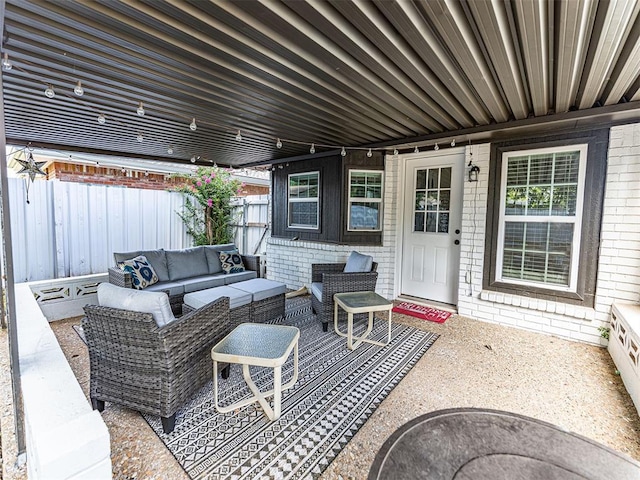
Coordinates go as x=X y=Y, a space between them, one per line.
x=143 y=357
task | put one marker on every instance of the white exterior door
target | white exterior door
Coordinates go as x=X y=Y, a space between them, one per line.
x=432 y=225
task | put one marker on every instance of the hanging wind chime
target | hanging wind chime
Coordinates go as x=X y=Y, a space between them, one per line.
x=32 y=168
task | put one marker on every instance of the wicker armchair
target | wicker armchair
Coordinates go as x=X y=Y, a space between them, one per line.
x=334 y=280
x=147 y=368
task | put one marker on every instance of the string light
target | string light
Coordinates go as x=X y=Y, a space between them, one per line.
x=312 y=150
x=436 y=147
x=79 y=91
x=193 y=159
x=278 y=144
x=369 y=153
x=102 y=119
x=123 y=170
x=170 y=150
x=49 y=92
x=193 y=125
x=6 y=64
x=239 y=136
x=140 y=110
x=395 y=153
x=343 y=152
x=416 y=150
x=146 y=173
x=453 y=142
x=140 y=137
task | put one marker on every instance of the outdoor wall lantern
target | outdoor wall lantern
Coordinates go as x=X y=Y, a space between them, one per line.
x=473 y=172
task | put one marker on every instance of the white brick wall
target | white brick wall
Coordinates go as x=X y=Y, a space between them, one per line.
x=618 y=264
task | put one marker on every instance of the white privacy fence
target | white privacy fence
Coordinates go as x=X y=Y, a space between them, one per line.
x=70 y=229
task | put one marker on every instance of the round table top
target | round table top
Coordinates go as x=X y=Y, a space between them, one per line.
x=468 y=443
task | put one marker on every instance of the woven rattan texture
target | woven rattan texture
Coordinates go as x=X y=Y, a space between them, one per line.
x=136 y=364
x=334 y=280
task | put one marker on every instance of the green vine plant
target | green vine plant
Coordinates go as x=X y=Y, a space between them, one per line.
x=604 y=332
x=207 y=212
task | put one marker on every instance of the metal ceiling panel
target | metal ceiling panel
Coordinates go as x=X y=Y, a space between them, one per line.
x=333 y=73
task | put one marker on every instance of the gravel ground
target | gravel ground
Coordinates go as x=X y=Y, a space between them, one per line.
x=472 y=364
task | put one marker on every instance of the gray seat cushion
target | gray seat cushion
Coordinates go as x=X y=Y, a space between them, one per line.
x=213 y=260
x=231 y=278
x=187 y=263
x=155 y=303
x=156 y=258
x=237 y=298
x=261 y=288
x=358 y=262
x=175 y=288
x=316 y=290
x=202 y=283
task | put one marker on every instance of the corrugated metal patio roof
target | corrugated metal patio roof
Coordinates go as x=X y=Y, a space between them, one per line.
x=334 y=73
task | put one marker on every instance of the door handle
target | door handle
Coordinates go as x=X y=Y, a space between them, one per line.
x=457 y=231
x=457 y=242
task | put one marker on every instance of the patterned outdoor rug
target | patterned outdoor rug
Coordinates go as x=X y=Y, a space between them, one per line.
x=336 y=392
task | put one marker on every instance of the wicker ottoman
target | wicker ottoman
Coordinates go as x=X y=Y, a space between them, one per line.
x=267 y=296
x=239 y=302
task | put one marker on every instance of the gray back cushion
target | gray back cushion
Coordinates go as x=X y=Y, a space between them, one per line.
x=156 y=258
x=358 y=262
x=155 y=303
x=186 y=263
x=213 y=260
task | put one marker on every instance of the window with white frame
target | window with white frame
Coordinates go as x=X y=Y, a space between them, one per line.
x=541 y=200
x=304 y=200
x=365 y=200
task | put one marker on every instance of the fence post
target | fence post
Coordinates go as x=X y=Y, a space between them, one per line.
x=245 y=211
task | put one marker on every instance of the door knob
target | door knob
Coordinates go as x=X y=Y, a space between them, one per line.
x=457 y=242
x=457 y=231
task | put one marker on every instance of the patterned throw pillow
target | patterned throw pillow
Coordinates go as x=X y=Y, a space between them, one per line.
x=231 y=262
x=142 y=273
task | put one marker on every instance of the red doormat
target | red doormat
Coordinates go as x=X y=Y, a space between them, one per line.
x=420 y=311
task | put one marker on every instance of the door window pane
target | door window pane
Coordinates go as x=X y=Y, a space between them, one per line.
x=432 y=193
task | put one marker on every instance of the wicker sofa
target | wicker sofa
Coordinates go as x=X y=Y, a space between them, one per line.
x=184 y=271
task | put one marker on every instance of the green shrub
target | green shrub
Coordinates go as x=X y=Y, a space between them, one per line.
x=207 y=212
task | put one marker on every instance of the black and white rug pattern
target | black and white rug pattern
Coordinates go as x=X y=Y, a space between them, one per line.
x=336 y=392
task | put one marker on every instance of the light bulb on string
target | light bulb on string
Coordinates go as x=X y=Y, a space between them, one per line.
x=453 y=142
x=312 y=150
x=140 y=137
x=170 y=150
x=102 y=119
x=146 y=173
x=369 y=153
x=193 y=159
x=193 y=125
x=278 y=144
x=343 y=152
x=239 y=136
x=416 y=150
x=78 y=90
x=395 y=153
x=436 y=147
x=6 y=64
x=123 y=170
x=49 y=92
x=140 y=110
